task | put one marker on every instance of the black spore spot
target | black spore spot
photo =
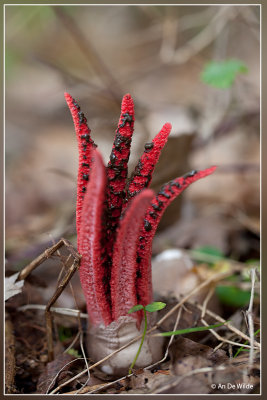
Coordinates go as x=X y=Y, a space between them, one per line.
x=126 y=118
x=190 y=174
x=86 y=137
x=113 y=158
x=162 y=193
x=81 y=117
x=149 y=146
x=147 y=225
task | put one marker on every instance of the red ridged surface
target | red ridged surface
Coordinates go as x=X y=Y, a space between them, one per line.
x=85 y=145
x=152 y=218
x=124 y=262
x=117 y=169
x=92 y=271
x=143 y=172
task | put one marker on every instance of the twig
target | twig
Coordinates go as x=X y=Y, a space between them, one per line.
x=58 y=310
x=61 y=369
x=92 y=55
x=170 y=341
x=48 y=316
x=84 y=357
x=168 y=40
x=73 y=342
x=227 y=324
x=34 y=264
x=249 y=314
x=214 y=278
x=205 y=302
x=87 y=390
x=205 y=37
x=219 y=337
x=26 y=271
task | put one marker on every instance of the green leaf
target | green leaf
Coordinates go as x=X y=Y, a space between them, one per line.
x=73 y=352
x=157 y=305
x=190 y=330
x=138 y=307
x=64 y=333
x=233 y=296
x=210 y=250
x=221 y=74
x=254 y=262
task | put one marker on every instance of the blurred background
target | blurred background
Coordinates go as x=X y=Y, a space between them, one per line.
x=197 y=67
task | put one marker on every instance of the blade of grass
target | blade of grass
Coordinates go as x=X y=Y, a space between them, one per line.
x=189 y=330
x=242 y=348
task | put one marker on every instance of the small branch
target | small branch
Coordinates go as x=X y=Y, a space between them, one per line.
x=58 y=310
x=213 y=278
x=220 y=338
x=227 y=324
x=26 y=271
x=92 y=55
x=205 y=37
x=249 y=314
x=86 y=362
x=205 y=302
x=48 y=316
x=170 y=341
x=61 y=369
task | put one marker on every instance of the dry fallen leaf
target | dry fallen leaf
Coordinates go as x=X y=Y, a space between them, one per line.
x=56 y=371
x=12 y=287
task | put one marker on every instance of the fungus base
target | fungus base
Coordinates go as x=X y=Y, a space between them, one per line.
x=104 y=340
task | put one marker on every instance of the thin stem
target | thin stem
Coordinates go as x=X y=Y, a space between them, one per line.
x=246 y=342
x=141 y=344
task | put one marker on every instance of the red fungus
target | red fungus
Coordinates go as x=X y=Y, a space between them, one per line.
x=145 y=167
x=158 y=205
x=117 y=169
x=124 y=261
x=85 y=144
x=92 y=272
x=116 y=244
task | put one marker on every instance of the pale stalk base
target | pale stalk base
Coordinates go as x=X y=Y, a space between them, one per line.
x=104 y=340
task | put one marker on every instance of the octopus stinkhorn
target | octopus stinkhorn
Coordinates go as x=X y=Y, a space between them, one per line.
x=116 y=220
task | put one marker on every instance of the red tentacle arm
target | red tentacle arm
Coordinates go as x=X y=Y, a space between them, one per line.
x=117 y=169
x=158 y=205
x=124 y=262
x=143 y=172
x=85 y=145
x=92 y=271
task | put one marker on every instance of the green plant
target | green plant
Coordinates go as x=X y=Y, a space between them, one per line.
x=246 y=342
x=191 y=330
x=156 y=306
x=152 y=307
x=221 y=74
